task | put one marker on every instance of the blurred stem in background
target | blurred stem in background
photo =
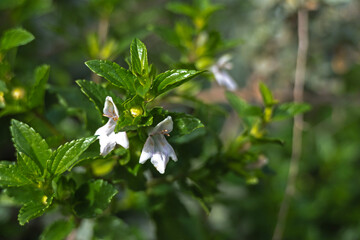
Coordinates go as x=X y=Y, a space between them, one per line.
x=298 y=93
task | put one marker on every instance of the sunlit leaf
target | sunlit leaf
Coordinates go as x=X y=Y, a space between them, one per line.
x=67 y=155
x=14 y=38
x=29 y=142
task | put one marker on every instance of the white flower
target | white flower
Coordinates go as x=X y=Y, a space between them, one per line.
x=220 y=73
x=106 y=135
x=156 y=146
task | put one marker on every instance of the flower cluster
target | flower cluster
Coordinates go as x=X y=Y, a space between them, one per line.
x=156 y=146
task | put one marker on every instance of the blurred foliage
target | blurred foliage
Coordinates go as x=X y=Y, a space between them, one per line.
x=231 y=174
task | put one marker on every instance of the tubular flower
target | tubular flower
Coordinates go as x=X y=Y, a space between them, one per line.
x=220 y=73
x=157 y=147
x=106 y=135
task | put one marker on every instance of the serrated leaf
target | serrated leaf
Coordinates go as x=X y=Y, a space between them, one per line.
x=58 y=230
x=37 y=92
x=266 y=94
x=14 y=38
x=97 y=94
x=172 y=79
x=288 y=110
x=11 y=175
x=115 y=74
x=138 y=55
x=28 y=167
x=67 y=155
x=93 y=198
x=184 y=123
x=24 y=194
x=29 y=142
x=32 y=210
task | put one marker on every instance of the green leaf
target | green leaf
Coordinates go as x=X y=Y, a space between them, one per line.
x=242 y=107
x=115 y=74
x=139 y=60
x=58 y=230
x=11 y=175
x=32 y=210
x=67 y=155
x=29 y=142
x=265 y=140
x=24 y=194
x=172 y=79
x=91 y=199
x=6 y=4
x=14 y=38
x=184 y=123
x=266 y=95
x=288 y=110
x=97 y=94
x=28 y=167
x=182 y=8
x=37 y=92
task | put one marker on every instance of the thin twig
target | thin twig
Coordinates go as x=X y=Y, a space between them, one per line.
x=298 y=123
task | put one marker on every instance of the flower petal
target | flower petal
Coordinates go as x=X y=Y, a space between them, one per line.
x=121 y=139
x=110 y=110
x=165 y=126
x=106 y=144
x=163 y=146
x=224 y=79
x=148 y=150
x=159 y=160
x=107 y=129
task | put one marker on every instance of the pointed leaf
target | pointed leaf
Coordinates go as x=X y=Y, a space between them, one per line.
x=172 y=79
x=14 y=38
x=242 y=107
x=11 y=175
x=184 y=123
x=58 y=230
x=93 y=198
x=37 y=92
x=32 y=210
x=29 y=142
x=97 y=94
x=288 y=110
x=266 y=94
x=67 y=155
x=28 y=167
x=139 y=60
x=115 y=74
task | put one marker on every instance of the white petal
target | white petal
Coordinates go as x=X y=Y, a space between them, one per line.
x=159 y=160
x=147 y=151
x=106 y=144
x=110 y=109
x=224 y=60
x=121 y=139
x=164 y=147
x=224 y=79
x=165 y=126
x=107 y=129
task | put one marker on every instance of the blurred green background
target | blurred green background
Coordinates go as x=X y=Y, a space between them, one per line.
x=326 y=205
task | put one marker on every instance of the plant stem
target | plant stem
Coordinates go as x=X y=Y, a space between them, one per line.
x=298 y=93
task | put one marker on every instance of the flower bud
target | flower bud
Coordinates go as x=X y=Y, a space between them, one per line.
x=44 y=199
x=136 y=111
x=18 y=93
